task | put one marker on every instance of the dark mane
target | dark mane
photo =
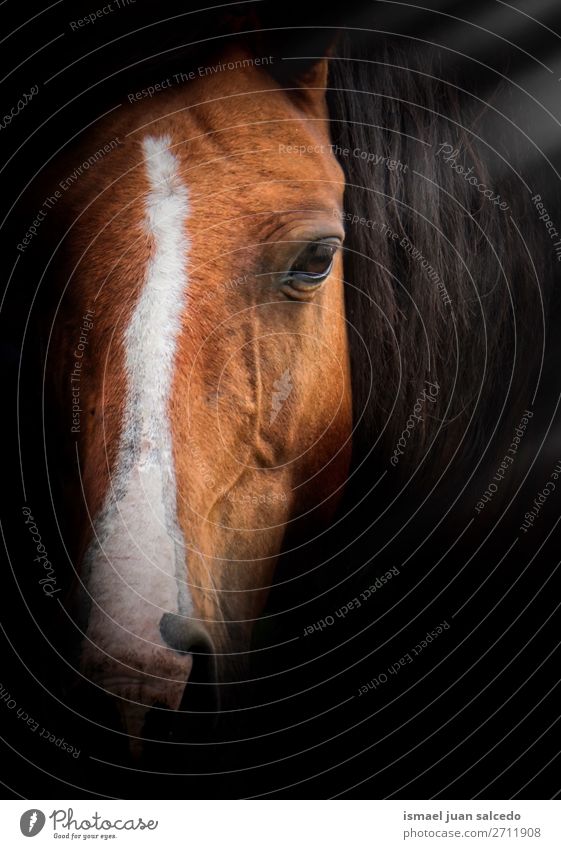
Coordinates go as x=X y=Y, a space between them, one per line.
x=481 y=348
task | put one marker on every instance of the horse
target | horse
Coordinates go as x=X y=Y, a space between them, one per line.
x=265 y=265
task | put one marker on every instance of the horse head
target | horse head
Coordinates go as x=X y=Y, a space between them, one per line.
x=205 y=281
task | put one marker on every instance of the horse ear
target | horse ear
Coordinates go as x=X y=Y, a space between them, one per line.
x=309 y=72
x=303 y=68
x=299 y=43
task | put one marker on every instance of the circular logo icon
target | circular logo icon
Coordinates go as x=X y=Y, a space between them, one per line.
x=31 y=822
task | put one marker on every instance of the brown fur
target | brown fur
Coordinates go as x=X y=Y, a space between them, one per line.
x=248 y=200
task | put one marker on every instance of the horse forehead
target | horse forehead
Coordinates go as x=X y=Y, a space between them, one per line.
x=240 y=123
x=288 y=159
x=288 y=170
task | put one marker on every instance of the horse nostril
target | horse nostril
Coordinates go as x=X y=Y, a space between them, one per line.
x=182 y=635
x=200 y=705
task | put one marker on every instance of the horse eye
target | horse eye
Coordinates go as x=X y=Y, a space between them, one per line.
x=311 y=267
x=314 y=262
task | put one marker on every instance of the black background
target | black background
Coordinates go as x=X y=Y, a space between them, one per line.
x=477 y=714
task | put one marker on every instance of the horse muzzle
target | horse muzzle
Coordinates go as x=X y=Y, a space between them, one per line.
x=150 y=680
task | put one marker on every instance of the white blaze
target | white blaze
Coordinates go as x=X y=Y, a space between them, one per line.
x=136 y=565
